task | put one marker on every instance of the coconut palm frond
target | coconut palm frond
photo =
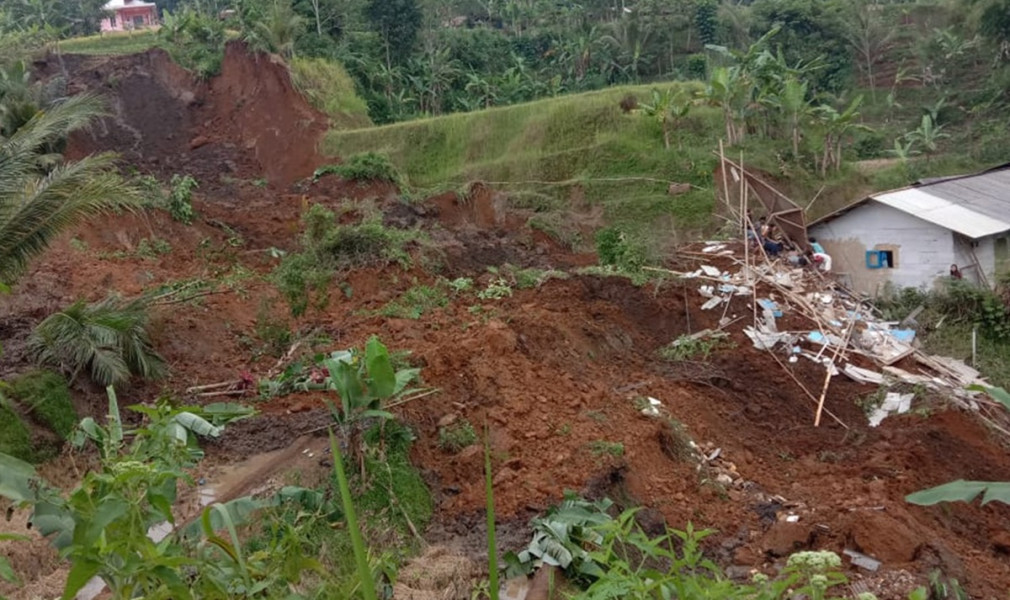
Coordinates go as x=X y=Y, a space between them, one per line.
x=108 y=339
x=33 y=215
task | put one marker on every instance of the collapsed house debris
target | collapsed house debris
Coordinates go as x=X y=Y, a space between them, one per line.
x=839 y=330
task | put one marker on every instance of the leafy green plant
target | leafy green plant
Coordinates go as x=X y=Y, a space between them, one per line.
x=366 y=166
x=496 y=289
x=40 y=199
x=563 y=538
x=102 y=525
x=457 y=436
x=367 y=387
x=604 y=448
x=180 y=197
x=460 y=285
x=107 y=339
x=618 y=249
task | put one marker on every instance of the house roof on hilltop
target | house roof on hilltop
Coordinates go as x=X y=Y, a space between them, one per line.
x=975 y=205
x=117 y=4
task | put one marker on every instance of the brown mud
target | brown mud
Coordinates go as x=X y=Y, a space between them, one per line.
x=557 y=372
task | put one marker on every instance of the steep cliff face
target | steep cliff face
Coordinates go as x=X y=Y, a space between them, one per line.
x=249 y=121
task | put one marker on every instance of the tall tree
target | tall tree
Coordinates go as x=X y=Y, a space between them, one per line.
x=397 y=23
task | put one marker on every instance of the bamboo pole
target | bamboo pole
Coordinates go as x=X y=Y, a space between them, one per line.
x=827 y=377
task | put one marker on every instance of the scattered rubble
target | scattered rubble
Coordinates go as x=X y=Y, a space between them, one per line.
x=848 y=336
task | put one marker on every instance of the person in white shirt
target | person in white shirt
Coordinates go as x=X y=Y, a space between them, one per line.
x=822 y=261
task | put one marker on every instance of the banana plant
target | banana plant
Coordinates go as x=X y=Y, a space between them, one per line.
x=668 y=107
x=367 y=386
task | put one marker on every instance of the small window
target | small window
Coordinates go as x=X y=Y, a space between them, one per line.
x=887 y=259
x=138 y=21
x=880 y=259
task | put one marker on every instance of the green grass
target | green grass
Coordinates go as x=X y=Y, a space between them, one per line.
x=328 y=87
x=111 y=43
x=14 y=437
x=45 y=397
x=993 y=356
x=541 y=151
x=415 y=302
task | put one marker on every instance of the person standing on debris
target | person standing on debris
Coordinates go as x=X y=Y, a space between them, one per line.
x=817 y=248
x=955 y=273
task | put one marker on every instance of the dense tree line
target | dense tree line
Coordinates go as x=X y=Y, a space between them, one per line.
x=412 y=57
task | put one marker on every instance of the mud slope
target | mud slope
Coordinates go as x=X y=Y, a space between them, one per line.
x=558 y=372
x=247 y=122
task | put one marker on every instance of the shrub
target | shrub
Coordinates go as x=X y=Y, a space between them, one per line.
x=366 y=166
x=615 y=248
x=327 y=247
x=46 y=397
x=108 y=339
x=180 y=198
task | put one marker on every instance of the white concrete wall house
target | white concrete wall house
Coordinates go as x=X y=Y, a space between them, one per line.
x=910 y=237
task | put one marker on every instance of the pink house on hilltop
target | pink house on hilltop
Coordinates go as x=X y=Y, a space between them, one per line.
x=125 y=15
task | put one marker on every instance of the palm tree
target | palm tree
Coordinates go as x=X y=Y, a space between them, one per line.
x=37 y=200
x=277 y=29
x=108 y=339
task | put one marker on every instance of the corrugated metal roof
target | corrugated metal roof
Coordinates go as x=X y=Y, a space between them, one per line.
x=924 y=205
x=972 y=205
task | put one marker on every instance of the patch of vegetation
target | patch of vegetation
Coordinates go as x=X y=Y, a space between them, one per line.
x=273 y=332
x=364 y=166
x=549 y=148
x=497 y=289
x=14 y=437
x=304 y=278
x=108 y=340
x=455 y=437
x=147 y=249
x=604 y=448
x=195 y=40
x=129 y=42
x=692 y=347
x=45 y=397
x=329 y=88
x=415 y=302
x=180 y=197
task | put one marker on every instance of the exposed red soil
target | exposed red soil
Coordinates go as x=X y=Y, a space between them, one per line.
x=248 y=122
x=554 y=372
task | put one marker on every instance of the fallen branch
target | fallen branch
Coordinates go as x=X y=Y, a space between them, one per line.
x=212 y=386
